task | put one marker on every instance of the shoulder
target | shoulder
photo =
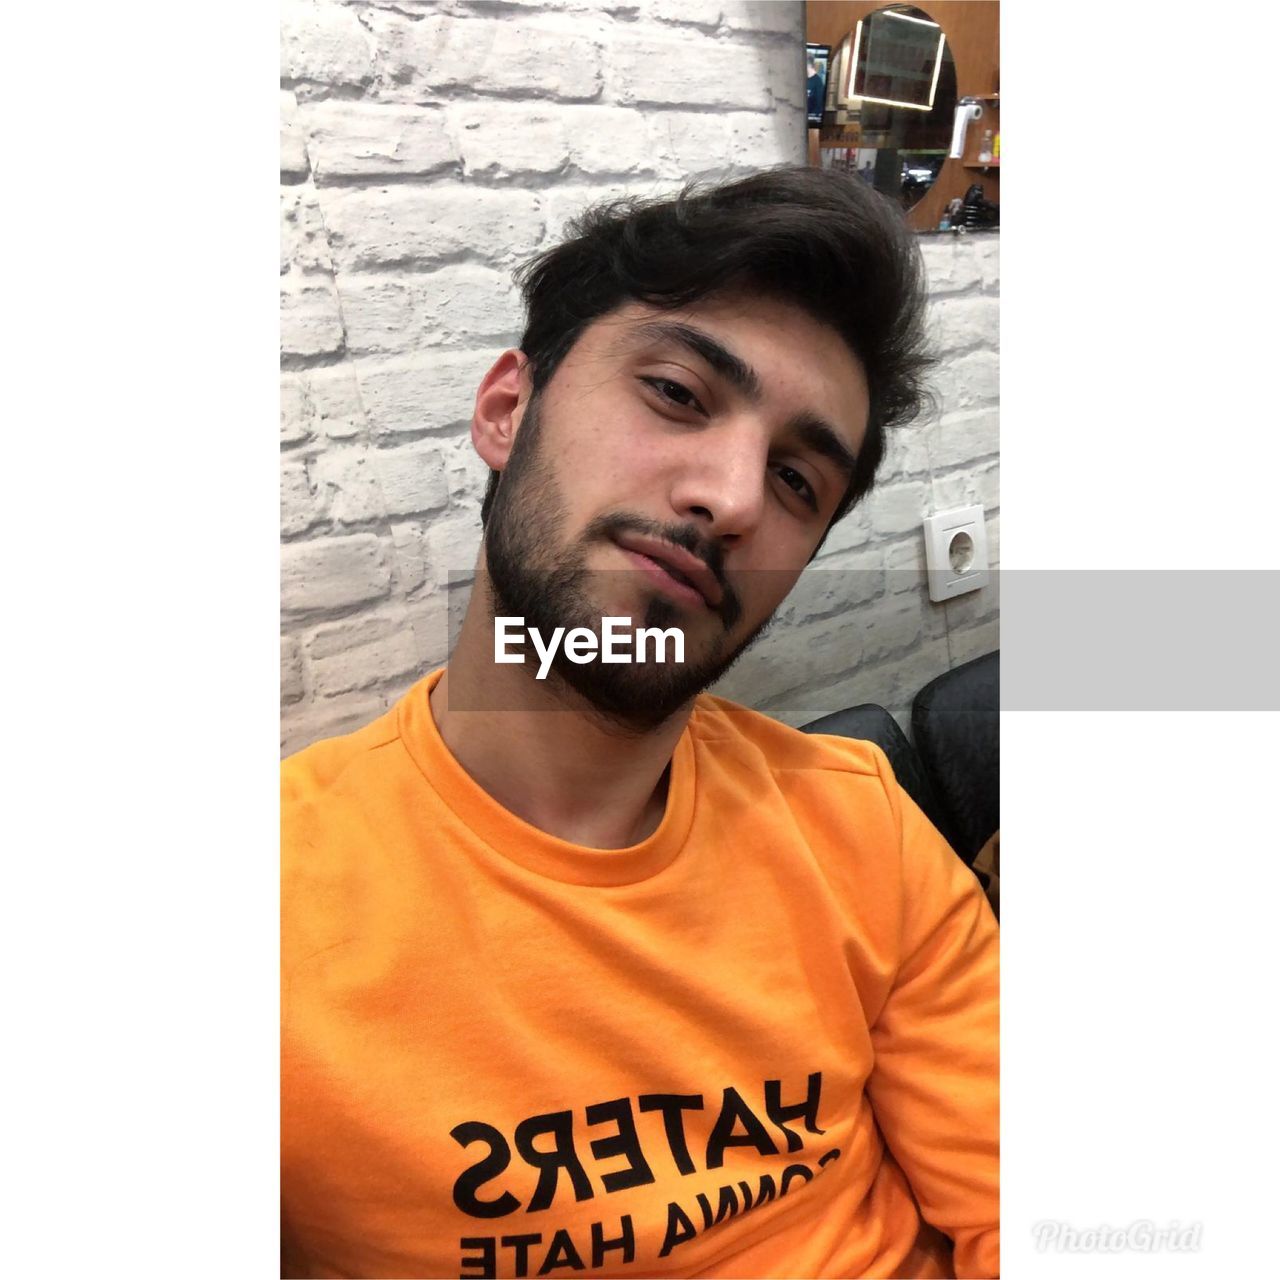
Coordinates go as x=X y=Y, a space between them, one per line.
x=329 y=767
x=820 y=776
x=818 y=803
x=782 y=749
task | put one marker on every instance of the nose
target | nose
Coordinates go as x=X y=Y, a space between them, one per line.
x=720 y=482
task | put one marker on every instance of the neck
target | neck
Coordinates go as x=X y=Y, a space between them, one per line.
x=541 y=752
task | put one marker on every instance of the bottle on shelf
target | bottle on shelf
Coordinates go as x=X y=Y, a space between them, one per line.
x=984 y=150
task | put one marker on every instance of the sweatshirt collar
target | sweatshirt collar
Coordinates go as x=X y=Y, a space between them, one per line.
x=524 y=844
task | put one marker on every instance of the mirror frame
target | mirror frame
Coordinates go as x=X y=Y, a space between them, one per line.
x=972 y=30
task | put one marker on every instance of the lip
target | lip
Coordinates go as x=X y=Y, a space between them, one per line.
x=657 y=557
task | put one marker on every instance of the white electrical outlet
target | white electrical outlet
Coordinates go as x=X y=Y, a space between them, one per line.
x=955 y=552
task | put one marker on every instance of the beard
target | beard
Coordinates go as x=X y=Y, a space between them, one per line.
x=533 y=574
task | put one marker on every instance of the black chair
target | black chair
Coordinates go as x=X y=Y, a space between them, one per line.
x=871 y=722
x=955 y=721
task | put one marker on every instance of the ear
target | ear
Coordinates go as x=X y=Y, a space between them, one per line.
x=500 y=405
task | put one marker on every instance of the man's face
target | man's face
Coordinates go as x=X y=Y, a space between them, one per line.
x=679 y=469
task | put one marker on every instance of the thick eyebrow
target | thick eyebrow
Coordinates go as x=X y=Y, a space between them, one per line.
x=734 y=369
x=807 y=429
x=815 y=433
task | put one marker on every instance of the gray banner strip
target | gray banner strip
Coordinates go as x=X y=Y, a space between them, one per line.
x=1142 y=640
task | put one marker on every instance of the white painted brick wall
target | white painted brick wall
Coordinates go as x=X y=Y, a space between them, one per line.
x=425 y=148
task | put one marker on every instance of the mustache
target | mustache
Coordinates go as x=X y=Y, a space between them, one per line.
x=685 y=536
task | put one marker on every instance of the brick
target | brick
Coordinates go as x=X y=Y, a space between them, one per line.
x=332 y=573
x=986 y=249
x=689 y=143
x=672 y=72
x=596 y=145
x=370 y=140
x=430 y=392
x=834 y=584
x=421 y=8
x=487 y=56
x=891 y=684
x=962 y=323
x=394 y=226
x=324 y=400
x=784 y=74
x=360 y=653
x=898 y=508
x=331 y=639
x=953 y=489
x=756 y=675
x=468 y=475
x=381 y=314
x=758 y=140
x=963 y=438
x=763 y=16
x=951 y=263
x=347 y=485
x=802 y=657
x=512 y=139
x=455 y=305
x=973 y=642
x=334 y=396
x=987 y=486
x=299 y=508
x=429 y=615
x=456 y=599
x=896 y=681
x=967 y=381
x=852 y=530
x=907 y=452
x=294 y=165
x=324 y=43
x=619 y=8
x=967 y=486
x=295 y=409
x=905 y=567
x=703 y=14
x=304 y=243
x=411 y=555
x=291 y=686
x=412 y=479
x=309 y=722
x=894 y=626
x=798 y=707
x=310 y=322
x=455 y=544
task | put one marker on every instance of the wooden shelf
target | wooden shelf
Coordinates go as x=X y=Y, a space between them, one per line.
x=978 y=164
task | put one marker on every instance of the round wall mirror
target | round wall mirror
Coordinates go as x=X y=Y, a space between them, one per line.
x=892 y=99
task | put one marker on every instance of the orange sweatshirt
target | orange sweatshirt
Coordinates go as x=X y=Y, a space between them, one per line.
x=763 y=1042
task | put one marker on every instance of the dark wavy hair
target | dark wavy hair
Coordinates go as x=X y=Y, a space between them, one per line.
x=819 y=239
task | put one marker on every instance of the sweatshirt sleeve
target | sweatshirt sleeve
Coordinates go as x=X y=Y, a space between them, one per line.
x=936 y=1080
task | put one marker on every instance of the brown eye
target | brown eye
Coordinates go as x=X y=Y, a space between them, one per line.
x=675 y=393
x=799 y=485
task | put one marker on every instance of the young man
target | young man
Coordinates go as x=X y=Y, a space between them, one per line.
x=588 y=972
